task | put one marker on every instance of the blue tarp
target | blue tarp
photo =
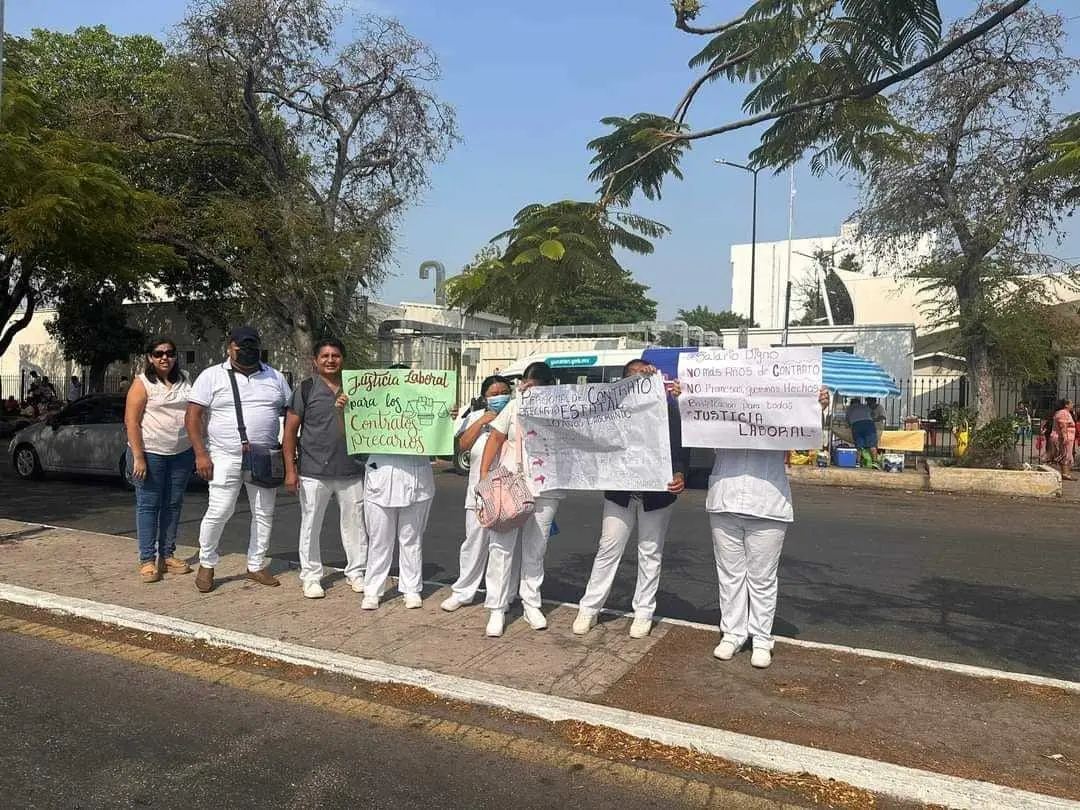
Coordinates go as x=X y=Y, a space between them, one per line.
x=855 y=376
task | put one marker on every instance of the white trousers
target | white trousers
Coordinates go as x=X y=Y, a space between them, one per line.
x=225 y=488
x=615 y=529
x=747 y=557
x=473 y=558
x=315 y=494
x=401 y=524
x=532 y=539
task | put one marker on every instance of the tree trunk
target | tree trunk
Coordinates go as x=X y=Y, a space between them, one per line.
x=95 y=383
x=302 y=342
x=981 y=382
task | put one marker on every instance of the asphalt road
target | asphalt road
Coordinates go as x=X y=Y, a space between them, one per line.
x=978 y=581
x=82 y=730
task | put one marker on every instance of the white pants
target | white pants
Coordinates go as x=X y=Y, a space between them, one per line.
x=473 y=558
x=615 y=529
x=401 y=524
x=747 y=557
x=315 y=496
x=224 y=490
x=532 y=539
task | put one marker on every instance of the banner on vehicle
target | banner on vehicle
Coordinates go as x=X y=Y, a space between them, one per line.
x=598 y=436
x=761 y=399
x=400 y=411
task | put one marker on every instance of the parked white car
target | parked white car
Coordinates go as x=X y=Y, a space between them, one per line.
x=87 y=436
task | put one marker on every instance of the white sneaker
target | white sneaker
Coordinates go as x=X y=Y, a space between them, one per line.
x=313 y=590
x=534 y=617
x=357 y=585
x=725 y=650
x=370 y=603
x=761 y=658
x=640 y=628
x=413 y=601
x=584 y=622
x=453 y=602
x=495 y=624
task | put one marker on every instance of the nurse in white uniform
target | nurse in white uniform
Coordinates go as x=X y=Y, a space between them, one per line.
x=749 y=507
x=532 y=538
x=398 y=491
x=472 y=438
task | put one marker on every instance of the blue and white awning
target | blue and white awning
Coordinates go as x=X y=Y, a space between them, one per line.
x=855 y=376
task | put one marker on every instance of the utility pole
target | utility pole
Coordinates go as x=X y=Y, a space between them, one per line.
x=753 y=228
x=3 y=35
x=790 y=235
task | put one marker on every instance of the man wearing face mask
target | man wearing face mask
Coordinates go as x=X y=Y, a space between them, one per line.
x=214 y=430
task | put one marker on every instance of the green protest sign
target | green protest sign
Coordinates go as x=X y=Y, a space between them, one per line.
x=400 y=411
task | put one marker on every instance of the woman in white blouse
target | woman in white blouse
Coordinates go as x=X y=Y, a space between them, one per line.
x=533 y=536
x=749 y=506
x=160 y=458
x=472 y=439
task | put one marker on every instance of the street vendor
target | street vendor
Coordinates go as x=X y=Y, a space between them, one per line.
x=860 y=417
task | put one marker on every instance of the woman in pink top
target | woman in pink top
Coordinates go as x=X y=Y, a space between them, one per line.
x=1062 y=445
x=160 y=458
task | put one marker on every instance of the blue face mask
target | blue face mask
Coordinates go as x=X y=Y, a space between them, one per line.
x=498 y=402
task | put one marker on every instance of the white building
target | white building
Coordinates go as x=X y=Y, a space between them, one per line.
x=773 y=271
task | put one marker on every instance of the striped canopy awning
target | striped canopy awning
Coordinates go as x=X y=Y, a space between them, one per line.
x=855 y=376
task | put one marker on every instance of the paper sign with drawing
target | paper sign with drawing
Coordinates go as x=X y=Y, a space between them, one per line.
x=401 y=411
x=760 y=399
x=598 y=436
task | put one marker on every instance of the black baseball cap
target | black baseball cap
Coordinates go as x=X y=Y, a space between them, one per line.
x=244 y=334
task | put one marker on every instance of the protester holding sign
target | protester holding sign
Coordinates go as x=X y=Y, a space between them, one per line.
x=412 y=412
x=651 y=511
x=752 y=405
x=532 y=538
x=472 y=438
x=318 y=466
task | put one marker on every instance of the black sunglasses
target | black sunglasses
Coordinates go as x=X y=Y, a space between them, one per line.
x=157 y=354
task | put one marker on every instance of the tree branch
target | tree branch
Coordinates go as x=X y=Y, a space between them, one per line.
x=683 y=24
x=156 y=137
x=22 y=291
x=862 y=92
x=684 y=106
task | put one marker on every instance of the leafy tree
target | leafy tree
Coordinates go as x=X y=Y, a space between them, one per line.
x=817 y=71
x=91 y=326
x=973 y=131
x=289 y=158
x=713 y=321
x=624 y=301
x=551 y=252
x=808 y=292
x=69 y=218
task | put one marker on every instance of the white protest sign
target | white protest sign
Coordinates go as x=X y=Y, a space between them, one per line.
x=761 y=399
x=598 y=436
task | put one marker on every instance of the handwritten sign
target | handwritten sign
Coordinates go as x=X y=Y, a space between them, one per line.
x=763 y=399
x=400 y=411
x=598 y=436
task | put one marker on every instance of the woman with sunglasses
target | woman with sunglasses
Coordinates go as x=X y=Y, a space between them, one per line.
x=160 y=458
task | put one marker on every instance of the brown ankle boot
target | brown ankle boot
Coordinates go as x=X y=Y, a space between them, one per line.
x=263 y=577
x=204 y=579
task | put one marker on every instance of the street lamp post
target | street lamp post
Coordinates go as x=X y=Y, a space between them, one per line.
x=753 y=229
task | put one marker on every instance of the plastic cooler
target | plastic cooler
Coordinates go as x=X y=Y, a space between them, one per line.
x=846 y=457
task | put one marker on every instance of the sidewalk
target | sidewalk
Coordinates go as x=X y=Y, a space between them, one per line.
x=1013 y=733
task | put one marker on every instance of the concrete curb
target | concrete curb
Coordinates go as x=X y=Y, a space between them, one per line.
x=907 y=784
x=1037 y=483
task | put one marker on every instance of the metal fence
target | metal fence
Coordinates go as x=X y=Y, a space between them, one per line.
x=926 y=402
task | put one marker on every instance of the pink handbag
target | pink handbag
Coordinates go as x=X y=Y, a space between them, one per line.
x=503 y=499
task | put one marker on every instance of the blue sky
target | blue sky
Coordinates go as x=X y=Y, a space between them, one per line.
x=530 y=82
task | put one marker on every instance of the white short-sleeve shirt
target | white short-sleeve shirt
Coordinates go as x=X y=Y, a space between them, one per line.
x=752 y=483
x=263 y=397
x=476 y=455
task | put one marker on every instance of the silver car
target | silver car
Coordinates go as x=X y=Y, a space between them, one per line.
x=87 y=436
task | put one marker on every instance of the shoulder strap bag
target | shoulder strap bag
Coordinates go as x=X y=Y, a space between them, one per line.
x=263 y=466
x=503 y=499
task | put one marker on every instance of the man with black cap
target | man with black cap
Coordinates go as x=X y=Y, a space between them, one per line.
x=214 y=430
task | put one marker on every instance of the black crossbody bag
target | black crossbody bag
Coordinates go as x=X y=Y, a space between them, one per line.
x=265 y=465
